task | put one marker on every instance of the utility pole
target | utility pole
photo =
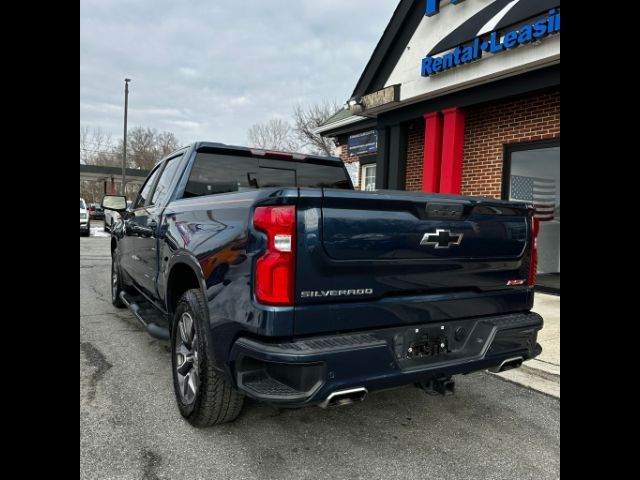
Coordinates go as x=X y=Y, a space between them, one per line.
x=124 y=147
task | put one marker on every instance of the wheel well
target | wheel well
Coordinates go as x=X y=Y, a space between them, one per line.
x=181 y=279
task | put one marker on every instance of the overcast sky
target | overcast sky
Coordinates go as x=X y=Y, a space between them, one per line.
x=209 y=69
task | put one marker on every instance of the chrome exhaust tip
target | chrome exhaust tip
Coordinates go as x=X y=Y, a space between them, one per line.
x=344 y=397
x=508 y=364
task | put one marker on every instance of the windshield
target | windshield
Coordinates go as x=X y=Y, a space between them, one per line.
x=82 y=204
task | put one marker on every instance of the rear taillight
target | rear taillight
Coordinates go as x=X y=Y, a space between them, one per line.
x=275 y=270
x=533 y=266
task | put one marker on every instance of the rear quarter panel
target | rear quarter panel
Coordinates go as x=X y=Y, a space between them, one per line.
x=214 y=236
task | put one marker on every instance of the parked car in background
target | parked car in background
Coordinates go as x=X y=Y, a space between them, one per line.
x=84 y=218
x=111 y=217
x=96 y=211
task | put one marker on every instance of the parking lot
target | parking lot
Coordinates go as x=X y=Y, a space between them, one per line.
x=130 y=427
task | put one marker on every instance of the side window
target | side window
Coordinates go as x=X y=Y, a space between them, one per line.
x=162 y=188
x=144 y=194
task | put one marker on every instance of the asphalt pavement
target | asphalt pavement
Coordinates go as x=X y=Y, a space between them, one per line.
x=130 y=427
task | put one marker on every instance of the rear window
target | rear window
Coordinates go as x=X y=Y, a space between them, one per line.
x=214 y=174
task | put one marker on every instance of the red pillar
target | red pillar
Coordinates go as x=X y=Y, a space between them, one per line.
x=452 y=150
x=432 y=152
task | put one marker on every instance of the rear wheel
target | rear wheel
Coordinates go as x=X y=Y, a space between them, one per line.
x=116 y=283
x=203 y=395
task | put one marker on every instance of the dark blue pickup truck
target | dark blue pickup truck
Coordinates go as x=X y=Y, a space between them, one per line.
x=273 y=279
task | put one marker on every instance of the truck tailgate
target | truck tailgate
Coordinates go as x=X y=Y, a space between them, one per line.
x=393 y=226
x=433 y=256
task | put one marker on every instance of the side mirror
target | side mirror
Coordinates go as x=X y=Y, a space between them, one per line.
x=114 y=202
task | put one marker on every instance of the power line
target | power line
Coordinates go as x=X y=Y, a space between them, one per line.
x=97 y=144
x=99 y=151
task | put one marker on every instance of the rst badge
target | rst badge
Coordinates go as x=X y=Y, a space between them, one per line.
x=442 y=239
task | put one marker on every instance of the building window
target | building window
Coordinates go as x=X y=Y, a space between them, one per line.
x=369 y=177
x=353 y=168
x=532 y=174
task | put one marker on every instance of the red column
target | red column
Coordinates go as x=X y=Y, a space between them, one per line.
x=432 y=152
x=452 y=150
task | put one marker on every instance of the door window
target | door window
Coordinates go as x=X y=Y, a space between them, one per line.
x=145 y=192
x=164 y=183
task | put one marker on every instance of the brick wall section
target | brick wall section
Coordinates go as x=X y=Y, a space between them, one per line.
x=415 y=156
x=344 y=156
x=488 y=128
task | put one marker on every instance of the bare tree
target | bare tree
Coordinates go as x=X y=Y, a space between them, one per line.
x=308 y=118
x=166 y=143
x=145 y=146
x=274 y=134
x=96 y=147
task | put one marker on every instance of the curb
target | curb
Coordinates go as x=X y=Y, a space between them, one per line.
x=535 y=375
x=544 y=370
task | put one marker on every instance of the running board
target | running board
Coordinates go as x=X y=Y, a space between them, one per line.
x=152 y=328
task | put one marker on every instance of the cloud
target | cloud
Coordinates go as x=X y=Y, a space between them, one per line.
x=189 y=72
x=209 y=70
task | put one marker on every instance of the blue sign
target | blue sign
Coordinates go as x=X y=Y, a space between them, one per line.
x=433 y=6
x=363 y=143
x=494 y=44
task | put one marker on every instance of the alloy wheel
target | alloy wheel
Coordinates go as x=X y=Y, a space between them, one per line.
x=186 y=352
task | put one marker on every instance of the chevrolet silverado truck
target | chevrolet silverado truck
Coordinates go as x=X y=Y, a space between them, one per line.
x=274 y=279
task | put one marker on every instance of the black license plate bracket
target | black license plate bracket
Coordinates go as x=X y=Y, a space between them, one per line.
x=422 y=342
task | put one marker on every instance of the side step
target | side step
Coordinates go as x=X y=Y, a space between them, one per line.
x=152 y=328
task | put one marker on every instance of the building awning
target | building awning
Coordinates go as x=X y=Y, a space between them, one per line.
x=98 y=173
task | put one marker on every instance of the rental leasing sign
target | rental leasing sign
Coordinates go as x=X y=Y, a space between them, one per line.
x=482 y=33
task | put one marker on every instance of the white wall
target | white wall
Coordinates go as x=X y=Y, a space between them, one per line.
x=490 y=67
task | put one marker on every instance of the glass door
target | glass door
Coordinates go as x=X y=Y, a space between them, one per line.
x=532 y=174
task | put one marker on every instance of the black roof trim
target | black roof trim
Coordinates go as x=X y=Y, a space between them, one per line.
x=366 y=124
x=111 y=170
x=248 y=152
x=394 y=40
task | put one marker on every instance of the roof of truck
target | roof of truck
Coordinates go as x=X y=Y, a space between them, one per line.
x=222 y=148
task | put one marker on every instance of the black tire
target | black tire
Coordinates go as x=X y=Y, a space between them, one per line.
x=214 y=400
x=116 y=283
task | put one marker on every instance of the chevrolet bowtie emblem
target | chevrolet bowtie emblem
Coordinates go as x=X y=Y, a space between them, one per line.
x=442 y=239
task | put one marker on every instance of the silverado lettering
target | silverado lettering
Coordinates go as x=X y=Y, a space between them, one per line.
x=245 y=261
x=337 y=293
